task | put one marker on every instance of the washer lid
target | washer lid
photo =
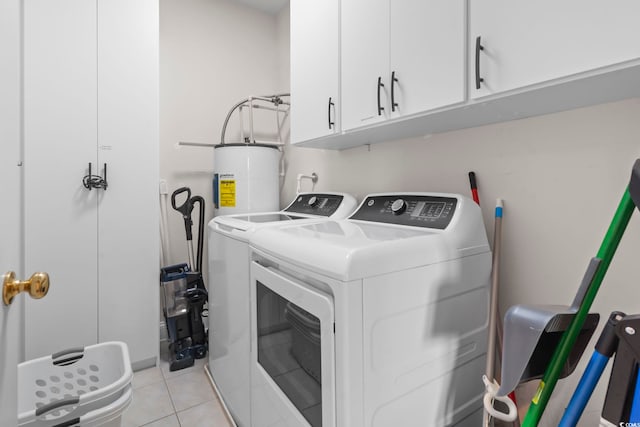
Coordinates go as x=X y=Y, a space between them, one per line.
x=250 y=222
x=356 y=248
x=347 y=250
x=304 y=206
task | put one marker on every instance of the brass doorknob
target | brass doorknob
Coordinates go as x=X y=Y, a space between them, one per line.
x=37 y=286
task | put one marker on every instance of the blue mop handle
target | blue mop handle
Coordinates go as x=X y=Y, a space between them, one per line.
x=604 y=349
x=585 y=388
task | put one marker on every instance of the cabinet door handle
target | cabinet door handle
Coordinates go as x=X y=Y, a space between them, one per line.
x=394 y=104
x=479 y=47
x=380 y=85
x=331 y=123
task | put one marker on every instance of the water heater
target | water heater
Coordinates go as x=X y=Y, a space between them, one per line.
x=246 y=178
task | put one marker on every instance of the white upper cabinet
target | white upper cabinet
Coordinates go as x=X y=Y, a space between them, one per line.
x=400 y=57
x=365 y=62
x=427 y=55
x=315 y=69
x=526 y=43
x=410 y=67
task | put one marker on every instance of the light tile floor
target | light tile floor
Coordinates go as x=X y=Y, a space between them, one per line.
x=181 y=398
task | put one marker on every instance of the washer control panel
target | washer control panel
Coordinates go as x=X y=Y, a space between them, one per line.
x=316 y=204
x=414 y=210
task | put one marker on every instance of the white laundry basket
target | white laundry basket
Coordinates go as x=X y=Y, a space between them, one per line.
x=88 y=386
x=106 y=416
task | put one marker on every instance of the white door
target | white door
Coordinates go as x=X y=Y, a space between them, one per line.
x=533 y=42
x=293 y=352
x=365 y=59
x=427 y=54
x=10 y=189
x=128 y=210
x=315 y=69
x=60 y=133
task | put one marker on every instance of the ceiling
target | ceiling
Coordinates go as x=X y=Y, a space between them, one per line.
x=268 y=6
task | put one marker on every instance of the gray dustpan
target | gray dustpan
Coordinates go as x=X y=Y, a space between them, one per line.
x=532 y=333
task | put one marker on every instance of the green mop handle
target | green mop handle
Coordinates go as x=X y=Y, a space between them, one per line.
x=561 y=354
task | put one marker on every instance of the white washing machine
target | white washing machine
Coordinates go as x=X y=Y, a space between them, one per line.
x=381 y=319
x=229 y=309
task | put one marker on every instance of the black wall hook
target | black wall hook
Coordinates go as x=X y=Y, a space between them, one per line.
x=90 y=181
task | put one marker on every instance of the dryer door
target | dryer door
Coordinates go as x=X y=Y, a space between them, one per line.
x=293 y=366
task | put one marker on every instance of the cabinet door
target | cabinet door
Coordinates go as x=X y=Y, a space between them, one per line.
x=365 y=59
x=315 y=69
x=59 y=142
x=427 y=54
x=128 y=144
x=532 y=42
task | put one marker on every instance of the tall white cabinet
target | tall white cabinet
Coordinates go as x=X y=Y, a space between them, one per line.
x=91 y=96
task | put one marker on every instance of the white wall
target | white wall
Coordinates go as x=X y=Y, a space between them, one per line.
x=213 y=53
x=561 y=176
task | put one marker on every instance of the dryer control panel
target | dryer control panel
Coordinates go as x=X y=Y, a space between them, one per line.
x=413 y=210
x=316 y=204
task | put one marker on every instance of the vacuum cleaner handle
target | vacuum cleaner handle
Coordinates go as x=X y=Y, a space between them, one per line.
x=201 y=202
x=185 y=209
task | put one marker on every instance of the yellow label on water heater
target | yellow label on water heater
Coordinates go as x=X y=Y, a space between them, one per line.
x=228 y=193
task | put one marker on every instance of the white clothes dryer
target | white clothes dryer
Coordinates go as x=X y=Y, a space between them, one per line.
x=378 y=320
x=229 y=309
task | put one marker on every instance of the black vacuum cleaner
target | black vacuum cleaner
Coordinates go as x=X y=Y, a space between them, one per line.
x=184 y=292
